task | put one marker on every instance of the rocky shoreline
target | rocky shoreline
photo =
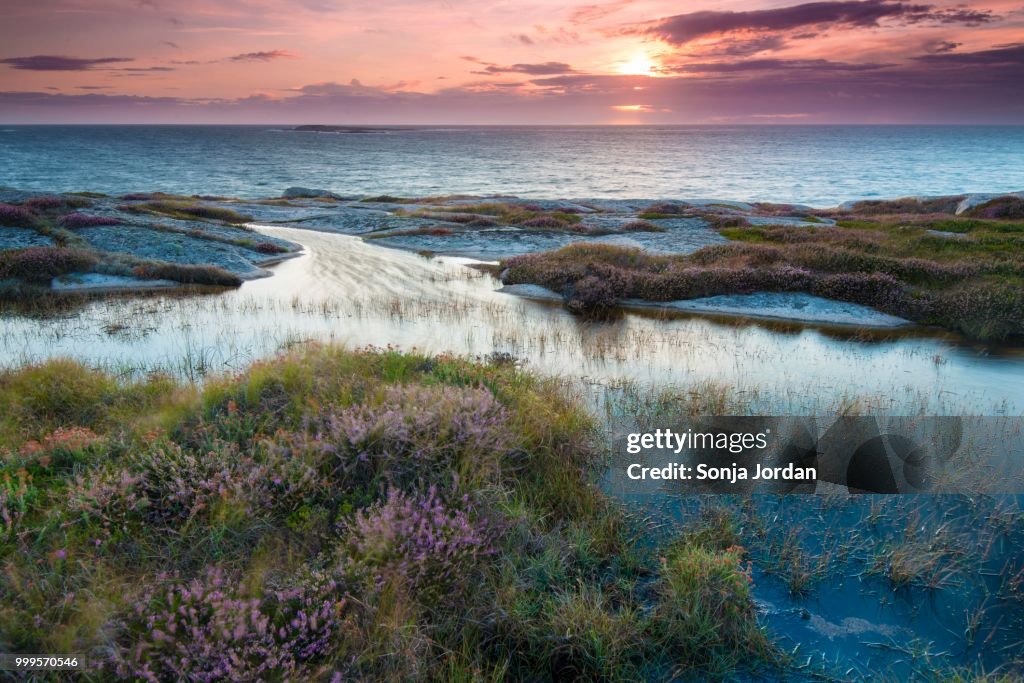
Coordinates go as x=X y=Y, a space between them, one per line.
x=79 y=242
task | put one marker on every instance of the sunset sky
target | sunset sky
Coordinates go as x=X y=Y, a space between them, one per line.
x=491 y=61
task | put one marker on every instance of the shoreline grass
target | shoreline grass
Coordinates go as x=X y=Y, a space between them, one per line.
x=973 y=285
x=369 y=513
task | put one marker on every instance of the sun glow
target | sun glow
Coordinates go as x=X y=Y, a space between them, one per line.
x=639 y=65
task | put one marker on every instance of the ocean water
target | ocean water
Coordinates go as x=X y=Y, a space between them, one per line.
x=816 y=165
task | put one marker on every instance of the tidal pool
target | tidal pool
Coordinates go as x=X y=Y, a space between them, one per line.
x=351 y=292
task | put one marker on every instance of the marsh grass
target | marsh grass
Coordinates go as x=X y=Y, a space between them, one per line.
x=187 y=209
x=970 y=285
x=293 y=496
x=501 y=213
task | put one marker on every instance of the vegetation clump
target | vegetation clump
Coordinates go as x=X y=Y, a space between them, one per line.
x=544 y=222
x=358 y=515
x=14 y=215
x=186 y=210
x=488 y=214
x=81 y=220
x=269 y=248
x=1000 y=208
x=908 y=205
x=39 y=265
x=186 y=273
x=973 y=285
x=641 y=225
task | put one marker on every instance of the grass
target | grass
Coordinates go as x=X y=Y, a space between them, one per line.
x=895 y=264
x=641 y=226
x=188 y=210
x=504 y=213
x=275 y=520
x=189 y=274
x=28 y=272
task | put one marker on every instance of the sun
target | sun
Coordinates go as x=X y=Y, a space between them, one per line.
x=639 y=65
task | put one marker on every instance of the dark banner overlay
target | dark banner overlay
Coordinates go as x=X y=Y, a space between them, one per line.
x=973 y=455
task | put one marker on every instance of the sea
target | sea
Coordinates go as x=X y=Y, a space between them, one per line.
x=819 y=166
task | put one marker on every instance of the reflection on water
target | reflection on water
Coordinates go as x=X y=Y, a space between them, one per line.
x=344 y=290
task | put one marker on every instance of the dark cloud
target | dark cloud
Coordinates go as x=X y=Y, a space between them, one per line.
x=1009 y=56
x=144 y=69
x=684 y=28
x=171 y=43
x=941 y=46
x=745 y=48
x=264 y=56
x=524 y=39
x=542 y=69
x=815 y=65
x=59 y=62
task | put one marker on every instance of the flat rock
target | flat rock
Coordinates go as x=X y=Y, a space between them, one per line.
x=80 y=282
x=794 y=306
x=531 y=292
x=19 y=238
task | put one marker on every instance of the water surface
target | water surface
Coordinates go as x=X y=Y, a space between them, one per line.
x=355 y=293
x=817 y=165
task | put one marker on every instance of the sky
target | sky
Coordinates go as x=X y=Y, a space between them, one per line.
x=389 y=62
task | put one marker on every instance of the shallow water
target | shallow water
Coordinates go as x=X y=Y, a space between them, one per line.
x=755 y=163
x=851 y=623
x=348 y=291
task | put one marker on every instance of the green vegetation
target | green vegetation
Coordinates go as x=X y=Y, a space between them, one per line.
x=27 y=272
x=188 y=210
x=374 y=514
x=897 y=264
x=504 y=213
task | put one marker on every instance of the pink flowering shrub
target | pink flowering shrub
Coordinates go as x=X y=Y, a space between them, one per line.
x=186 y=274
x=908 y=205
x=431 y=547
x=181 y=483
x=665 y=208
x=111 y=498
x=958 y=294
x=81 y=220
x=545 y=222
x=42 y=264
x=18 y=216
x=209 y=629
x=269 y=248
x=415 y=434
x=591 y=295
x=1005 y=208
x=641 y=226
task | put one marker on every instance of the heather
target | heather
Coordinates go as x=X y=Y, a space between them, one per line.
x=42 y=264
x=901 y=265
x=17 y=216
x=125 y=240
x=187 y=209
x=341 y=515
x=503 y=213
x=81 y=220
